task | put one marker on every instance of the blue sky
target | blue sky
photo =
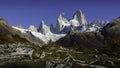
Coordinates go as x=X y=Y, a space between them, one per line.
x=32 y=12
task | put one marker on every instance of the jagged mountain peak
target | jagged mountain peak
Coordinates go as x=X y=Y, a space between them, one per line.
x=78 y=22
x=62 y=20
x=79 y=16
x=43 y=28
x=61 y=23
x=42 y=22
x=60 y=16
x=79 y=11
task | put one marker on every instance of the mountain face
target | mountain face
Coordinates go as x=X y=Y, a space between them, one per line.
x=44 y=29
x=79 y=16
x=64 y=26
x=107 y=36
x=61 y=23
x=77 y=23
x=111 y=32
x=82 y=39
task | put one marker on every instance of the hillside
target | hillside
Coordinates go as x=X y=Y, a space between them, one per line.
x=107 y=36
x=11 y=35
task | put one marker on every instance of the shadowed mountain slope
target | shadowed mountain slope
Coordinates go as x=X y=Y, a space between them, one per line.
x=11 y=35
x=107 y=36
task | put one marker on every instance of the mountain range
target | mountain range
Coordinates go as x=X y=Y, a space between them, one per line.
x=63 y=26
x=70 y=43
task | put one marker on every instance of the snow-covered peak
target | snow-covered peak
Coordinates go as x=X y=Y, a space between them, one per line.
x=46 y=38
x=99 y=23
x=61 y=23
x=96 y=25
x=60 y=16
x=32 y=28
x=78 y=21
x=44 y=29
x=79 y=16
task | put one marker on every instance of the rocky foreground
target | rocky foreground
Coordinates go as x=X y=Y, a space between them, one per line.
x=52 y=56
